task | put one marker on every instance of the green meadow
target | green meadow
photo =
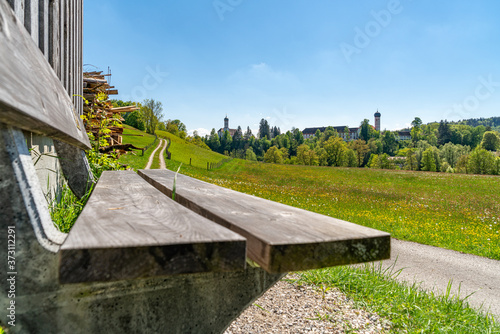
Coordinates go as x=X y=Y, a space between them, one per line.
x=181 y=150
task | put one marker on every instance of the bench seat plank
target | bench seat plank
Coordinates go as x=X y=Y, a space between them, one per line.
x=128 y=229
x=280 y=238
x=31 y=96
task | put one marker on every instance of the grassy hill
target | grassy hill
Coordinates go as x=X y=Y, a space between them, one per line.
x=135 y=159
x=454 y=211
x=182 y=151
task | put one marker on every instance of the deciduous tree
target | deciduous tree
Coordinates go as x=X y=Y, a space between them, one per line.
x=273 y=155
x=250 y=155
x=153 y=113
x=362 y=149
x=491 y=141
x=390 y=144
x=350 y=158
x=481 y=161
x=334 y=148
x=428 y=163
x=411 y=160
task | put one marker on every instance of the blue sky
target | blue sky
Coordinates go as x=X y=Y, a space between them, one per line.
x=300 y=63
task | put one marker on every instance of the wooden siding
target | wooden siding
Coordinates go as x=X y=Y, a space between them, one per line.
x=56 y=26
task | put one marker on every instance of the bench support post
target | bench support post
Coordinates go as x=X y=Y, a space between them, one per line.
x=75 y=167
x=22 y=201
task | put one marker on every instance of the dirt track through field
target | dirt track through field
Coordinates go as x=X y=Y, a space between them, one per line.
x=152 y=156
x=162 y=155
x=434 y=267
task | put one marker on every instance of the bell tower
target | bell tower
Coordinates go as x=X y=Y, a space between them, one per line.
x=226 y=123
x=377 y=121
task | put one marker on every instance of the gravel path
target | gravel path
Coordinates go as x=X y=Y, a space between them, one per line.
x=434 y=267
x=291 y=308
x=162 y=155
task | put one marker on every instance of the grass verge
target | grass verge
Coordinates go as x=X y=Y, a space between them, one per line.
x=156 y=159
x=406 y=306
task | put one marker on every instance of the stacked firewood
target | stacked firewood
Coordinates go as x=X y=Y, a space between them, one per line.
x=94 y=83
x=100 y=117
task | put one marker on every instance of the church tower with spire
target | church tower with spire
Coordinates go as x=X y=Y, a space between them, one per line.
x=377 y=121
x=221 y=131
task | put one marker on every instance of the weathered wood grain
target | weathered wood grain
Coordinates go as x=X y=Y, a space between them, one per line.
x=31 y=96
x=54 y=32
x=31 y=19
x=280 y=238
x=43 y=33
x=128 y=229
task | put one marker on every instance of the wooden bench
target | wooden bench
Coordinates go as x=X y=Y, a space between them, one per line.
x=135 y=260
x=280 y=238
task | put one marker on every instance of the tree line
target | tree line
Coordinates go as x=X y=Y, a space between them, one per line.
x=441 y=147
x=469 y=146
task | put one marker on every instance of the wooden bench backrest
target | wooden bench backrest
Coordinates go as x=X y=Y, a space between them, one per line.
x=31 y=96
